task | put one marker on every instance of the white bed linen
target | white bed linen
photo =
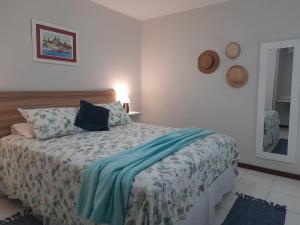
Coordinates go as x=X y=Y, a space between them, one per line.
x=47 y=174
x=203 y=213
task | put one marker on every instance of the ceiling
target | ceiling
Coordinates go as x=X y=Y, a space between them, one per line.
x=147 y=9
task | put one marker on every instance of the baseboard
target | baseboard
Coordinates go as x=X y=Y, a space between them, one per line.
x=269 y=171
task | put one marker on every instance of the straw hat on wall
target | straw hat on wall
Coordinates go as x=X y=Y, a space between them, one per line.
x=208 y=62
x=237 y=76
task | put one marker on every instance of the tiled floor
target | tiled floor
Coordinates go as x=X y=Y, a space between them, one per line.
x=272 y=188
x=269 y=187
x=9 y=207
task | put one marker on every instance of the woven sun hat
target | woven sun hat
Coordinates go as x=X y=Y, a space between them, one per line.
x=237 y=76
x=233 y=50
x=208 y=62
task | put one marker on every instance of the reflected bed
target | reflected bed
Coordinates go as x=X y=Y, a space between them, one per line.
x=271 y=129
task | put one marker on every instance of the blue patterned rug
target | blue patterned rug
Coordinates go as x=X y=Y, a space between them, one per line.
x=245 y=211
x=251 y=211
x=21 y=218
x=281 y=147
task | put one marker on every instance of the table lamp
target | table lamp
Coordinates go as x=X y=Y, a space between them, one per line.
x=125 y=101
x=122 y=96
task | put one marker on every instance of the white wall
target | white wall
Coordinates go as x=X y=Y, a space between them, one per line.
x=284 y=87
x=109 y=47
x=173 y=90
x=271 y=72
x=285 y=73
x=175 y=93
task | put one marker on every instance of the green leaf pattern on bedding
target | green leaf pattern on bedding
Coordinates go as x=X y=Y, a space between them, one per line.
x=47 y=174
x=117 y=114
x=52 y=122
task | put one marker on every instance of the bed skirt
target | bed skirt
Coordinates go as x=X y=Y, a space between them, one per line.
x=203 y=213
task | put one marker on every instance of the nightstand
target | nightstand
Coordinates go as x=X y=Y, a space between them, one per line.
x=134 y=115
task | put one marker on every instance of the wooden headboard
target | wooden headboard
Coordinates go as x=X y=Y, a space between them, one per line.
x=10 y=101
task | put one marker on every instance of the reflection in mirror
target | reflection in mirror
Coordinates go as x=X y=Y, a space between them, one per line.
x=278 y=100
x=278 y=108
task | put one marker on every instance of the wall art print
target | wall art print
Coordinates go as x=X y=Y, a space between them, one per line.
x=54 y=44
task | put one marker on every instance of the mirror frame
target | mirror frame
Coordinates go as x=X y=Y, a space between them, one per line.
x=295 y=100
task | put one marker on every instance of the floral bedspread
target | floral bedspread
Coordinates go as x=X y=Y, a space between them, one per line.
x=271 y=120
x=46 y=175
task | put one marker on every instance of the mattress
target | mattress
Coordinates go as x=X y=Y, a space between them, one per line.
x=46 y=175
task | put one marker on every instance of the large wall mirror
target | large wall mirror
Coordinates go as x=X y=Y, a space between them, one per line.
x=278 y=100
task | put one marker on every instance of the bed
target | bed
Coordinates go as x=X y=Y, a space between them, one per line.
x=271 y=129
x=46 y=175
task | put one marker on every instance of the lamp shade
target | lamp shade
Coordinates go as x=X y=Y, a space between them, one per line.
x=123 y=99
x=122 y=93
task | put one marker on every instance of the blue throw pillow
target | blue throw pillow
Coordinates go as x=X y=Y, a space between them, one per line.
x=91 y=117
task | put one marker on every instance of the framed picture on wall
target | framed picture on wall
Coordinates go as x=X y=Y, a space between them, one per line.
x=54 y=44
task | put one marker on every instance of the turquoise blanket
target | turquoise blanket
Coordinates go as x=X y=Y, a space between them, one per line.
x=107 y=182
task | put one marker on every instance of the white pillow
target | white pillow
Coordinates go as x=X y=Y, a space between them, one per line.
x=23 y=129
x=51 y=122
x=117 y=114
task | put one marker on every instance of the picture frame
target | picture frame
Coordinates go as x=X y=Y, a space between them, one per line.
x=54 y=44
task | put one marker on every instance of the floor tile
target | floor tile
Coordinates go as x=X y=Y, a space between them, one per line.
x=292 y=203
x=242 y=172
x=292 y=218
x=251 y=190
x=9 y=207
x=258 y=179
x=221 y=214
x=229 y=200
x=287 y=186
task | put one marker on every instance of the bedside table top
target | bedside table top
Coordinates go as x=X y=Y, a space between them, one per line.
x=133 y=113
